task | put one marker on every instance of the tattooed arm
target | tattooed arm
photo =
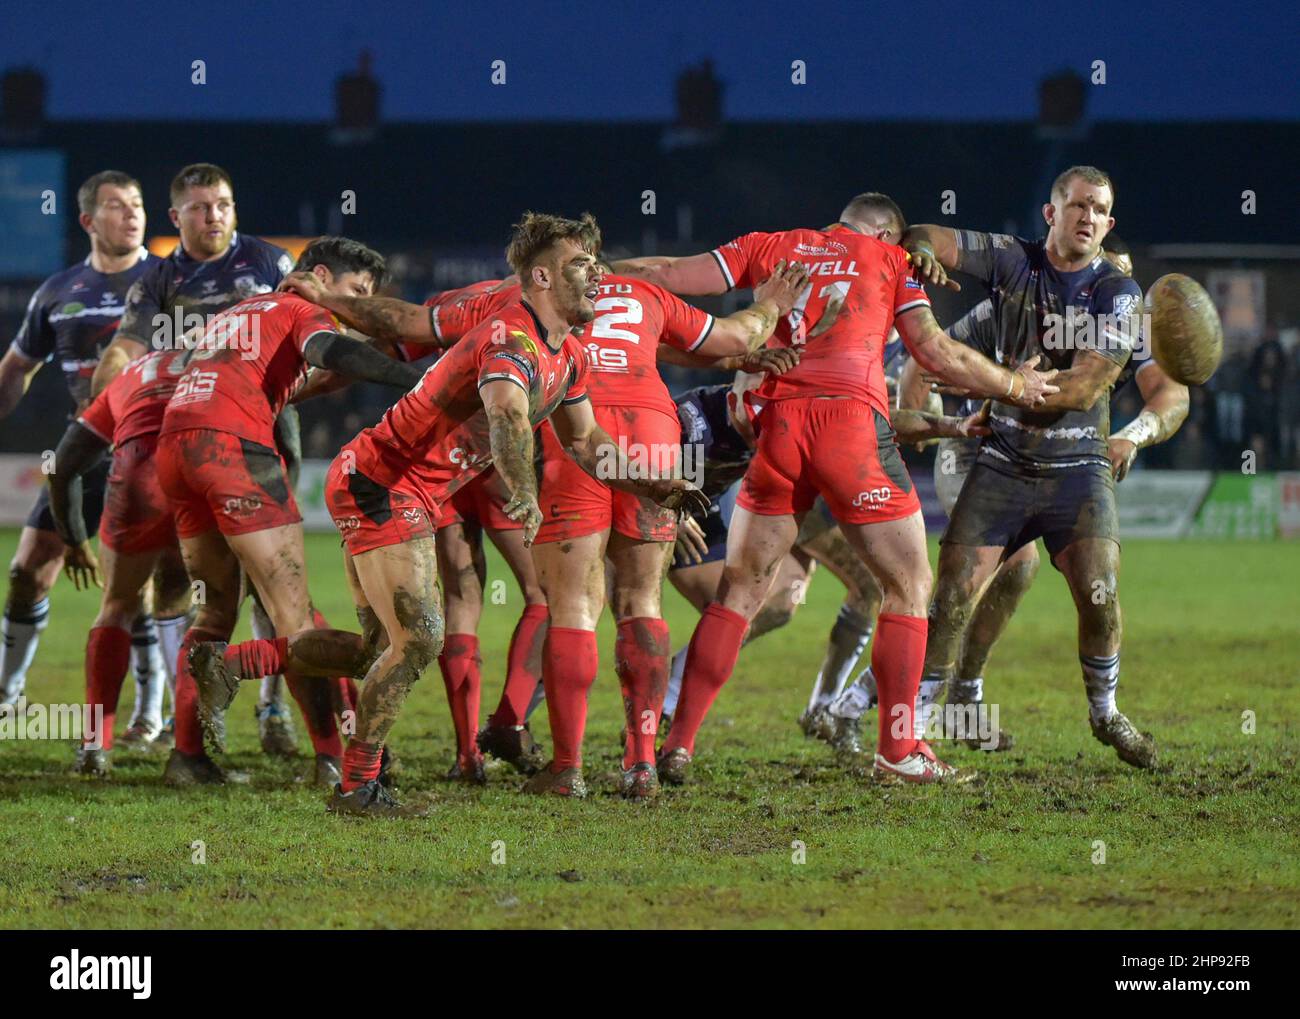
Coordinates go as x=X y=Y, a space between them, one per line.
x=511 y=437
x=382 y=318
x=599 y=455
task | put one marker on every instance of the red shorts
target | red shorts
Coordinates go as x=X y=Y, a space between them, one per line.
x=136 y=516
x=370 y=516
x=483 y=499
x=575 y=504
x=841 y=449
x=217 y=480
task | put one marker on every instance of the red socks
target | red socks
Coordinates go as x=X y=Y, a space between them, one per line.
x=108 y=654
x=345 y=693
x=254 y=659
x=361 y=763
x=711 y=659
x=461 y=663
x=189 y=733
x=317 y=706
x=641 y=661
x=897 y=659
x=570 y=665
x=523 y=667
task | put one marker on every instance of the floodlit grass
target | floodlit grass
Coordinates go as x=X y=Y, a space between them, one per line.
x=1212 y=631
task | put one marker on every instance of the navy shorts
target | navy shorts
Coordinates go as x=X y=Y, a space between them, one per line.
x=1008 y=509
x=93 y=484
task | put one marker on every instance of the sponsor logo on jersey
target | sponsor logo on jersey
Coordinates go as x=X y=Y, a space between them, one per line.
x=874 y=498
x=240 y=504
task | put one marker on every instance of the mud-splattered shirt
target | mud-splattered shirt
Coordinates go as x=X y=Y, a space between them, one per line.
x=246 y=365
x=133 y=403
x=842 y=319
x=438 y=435
x=1035 y=308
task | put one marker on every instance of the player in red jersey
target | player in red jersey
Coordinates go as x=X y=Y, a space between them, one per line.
x=824 y=429
x=586 y=522
x=476 y=407
x=226 y=482
x=137 y=534
x=421 y=334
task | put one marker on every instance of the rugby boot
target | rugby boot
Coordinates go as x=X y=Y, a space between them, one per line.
x=1133 y=747
x=93 y=762
x=217 y=687
x=640 y=782
x=370 y=800
x=674 y=766
x=568 y=782
x=920 y=767
x=513 y=744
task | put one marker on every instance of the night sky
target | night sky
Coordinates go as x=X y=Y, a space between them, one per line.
x=618 y=60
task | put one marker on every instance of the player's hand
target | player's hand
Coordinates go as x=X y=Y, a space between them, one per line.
x=81 y=566
x=523 y=508
x=1122 y=453
x=679 y=495
x=783 y=287
x=691 y=546
x=772 y=360
x=306 y=285
x=977 y=424
x=1037 y=385
x=929 y=269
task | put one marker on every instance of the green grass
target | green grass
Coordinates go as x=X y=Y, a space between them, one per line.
x=1208 y=841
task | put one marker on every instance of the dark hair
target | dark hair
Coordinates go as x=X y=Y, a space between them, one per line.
x=536 y=232
x=1115 y=245
x=873 y=202
x=88 y=193
x=199 y=175
x=342 y=254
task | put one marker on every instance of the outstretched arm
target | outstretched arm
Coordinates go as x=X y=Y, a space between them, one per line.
x=382 y=318
x=958 y=364
x=358 y=360
x=697 y=275
x=748 y=329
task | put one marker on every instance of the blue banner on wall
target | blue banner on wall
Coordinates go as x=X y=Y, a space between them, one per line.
x=33 y=212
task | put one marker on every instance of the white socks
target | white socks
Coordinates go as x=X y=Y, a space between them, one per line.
x=22 y=633
x=1101 y=677
x=854 y=701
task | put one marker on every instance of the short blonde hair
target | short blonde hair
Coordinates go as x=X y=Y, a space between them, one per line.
x=1091 y=174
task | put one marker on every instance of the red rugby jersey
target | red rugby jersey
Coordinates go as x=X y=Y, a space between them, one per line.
x=247 y=364
x=132 y=404
x=632 y=318
x=437 y=434
x=842 y=320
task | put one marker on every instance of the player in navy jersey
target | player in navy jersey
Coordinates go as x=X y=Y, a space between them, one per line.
x=1047 y=472
x=213 y=268
x=69 y=320
x=1165 y=404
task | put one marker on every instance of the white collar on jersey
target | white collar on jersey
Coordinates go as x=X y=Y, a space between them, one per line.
x=141 y=255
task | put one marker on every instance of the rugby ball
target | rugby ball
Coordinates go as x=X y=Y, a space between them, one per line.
x=1186 y=334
